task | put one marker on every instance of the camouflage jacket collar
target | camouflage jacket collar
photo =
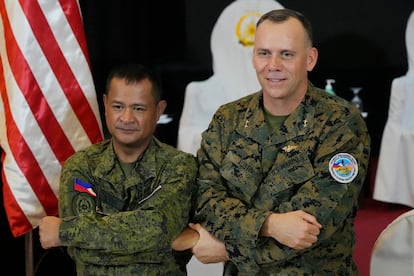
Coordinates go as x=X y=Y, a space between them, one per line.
x=146 y=165
x=298 y=123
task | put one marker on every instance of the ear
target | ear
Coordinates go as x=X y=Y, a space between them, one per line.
x=161 y=108
x=312 y=59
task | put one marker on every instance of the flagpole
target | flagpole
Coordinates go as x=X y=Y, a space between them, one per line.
x=28 y=244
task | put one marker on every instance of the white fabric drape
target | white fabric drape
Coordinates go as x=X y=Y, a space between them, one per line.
x=394 y=180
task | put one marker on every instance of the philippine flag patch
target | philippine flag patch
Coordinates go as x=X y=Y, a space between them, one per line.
x=83 y=187
x=343 y=167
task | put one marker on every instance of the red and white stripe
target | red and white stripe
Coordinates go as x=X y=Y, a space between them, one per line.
x=48 y=105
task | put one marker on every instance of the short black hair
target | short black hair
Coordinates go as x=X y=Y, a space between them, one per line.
x=281 y=15
x=133 y=73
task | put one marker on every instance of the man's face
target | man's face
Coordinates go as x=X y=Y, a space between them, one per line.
x=282 y=58
x=131 y=113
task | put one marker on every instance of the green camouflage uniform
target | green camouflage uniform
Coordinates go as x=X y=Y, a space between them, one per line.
x=246 y=173
x=128 y=227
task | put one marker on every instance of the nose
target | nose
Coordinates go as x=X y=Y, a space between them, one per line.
x=274 y=63
x=127 y=115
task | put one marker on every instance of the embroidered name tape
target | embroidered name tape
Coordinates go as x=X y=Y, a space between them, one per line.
x=343 y=167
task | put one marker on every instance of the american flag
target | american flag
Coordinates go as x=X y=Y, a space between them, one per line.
x=48 y=105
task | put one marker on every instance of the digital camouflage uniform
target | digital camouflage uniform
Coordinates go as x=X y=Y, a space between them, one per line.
x=128 y=227
x=246 y=173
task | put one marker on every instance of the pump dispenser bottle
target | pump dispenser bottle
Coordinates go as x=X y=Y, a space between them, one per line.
x=356 y=100
x=328 y=86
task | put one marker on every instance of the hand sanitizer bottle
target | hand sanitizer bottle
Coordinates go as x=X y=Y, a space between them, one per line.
x=356 y=100
x=328 y=86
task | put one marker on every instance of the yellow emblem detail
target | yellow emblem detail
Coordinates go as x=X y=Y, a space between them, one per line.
x=246 y=28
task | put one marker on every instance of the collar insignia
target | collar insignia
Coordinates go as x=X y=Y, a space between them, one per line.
x=289 y=148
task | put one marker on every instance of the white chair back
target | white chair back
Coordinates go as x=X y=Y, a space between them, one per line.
x=393 y=251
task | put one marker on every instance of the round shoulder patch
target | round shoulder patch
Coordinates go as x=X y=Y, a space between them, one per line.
x=343 y=167
x=83 y=203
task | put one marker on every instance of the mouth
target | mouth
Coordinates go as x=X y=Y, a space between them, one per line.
x=275 y=80
x=127 y=130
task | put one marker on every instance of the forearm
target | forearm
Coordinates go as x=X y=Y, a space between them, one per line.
x=121 y=233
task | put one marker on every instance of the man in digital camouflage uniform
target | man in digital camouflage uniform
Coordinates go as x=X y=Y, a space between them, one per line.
x=123 y=201
x=281 y=170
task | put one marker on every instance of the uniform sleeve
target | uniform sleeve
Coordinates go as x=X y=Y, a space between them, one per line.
x=229 y=218
x=330 y=195
x=149 y=228
x=333 y=199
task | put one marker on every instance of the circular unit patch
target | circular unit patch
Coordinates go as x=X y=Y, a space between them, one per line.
x=83 y=203
x=343 y=167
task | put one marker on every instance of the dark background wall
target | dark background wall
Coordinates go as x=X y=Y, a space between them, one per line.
x=361 y=43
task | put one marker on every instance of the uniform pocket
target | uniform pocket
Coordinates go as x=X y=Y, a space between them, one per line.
x=242 y=179
x=283 y=181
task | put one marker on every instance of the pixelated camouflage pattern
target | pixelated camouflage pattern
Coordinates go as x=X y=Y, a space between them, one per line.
x=246 y=173
x=127 y=229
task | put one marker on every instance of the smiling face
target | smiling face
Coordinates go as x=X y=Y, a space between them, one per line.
x=131 y=114
x=282 y=57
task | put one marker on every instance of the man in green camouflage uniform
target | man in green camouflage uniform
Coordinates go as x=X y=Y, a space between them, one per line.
x=123 y=201
x=281 y=170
